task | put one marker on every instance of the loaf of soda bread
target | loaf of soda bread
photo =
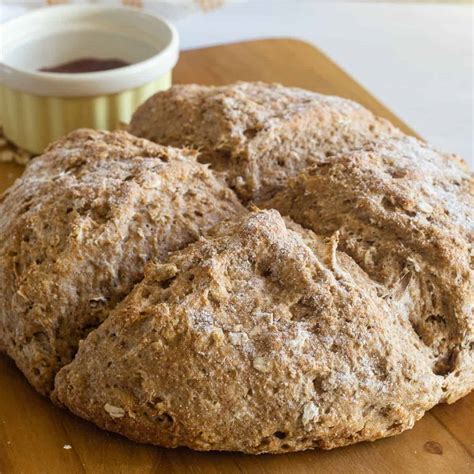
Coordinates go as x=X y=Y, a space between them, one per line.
x=297 y=275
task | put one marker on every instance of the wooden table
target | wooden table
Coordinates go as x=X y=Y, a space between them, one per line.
x=34 y=434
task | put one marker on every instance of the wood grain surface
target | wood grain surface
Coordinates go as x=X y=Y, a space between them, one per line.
x=35 y=435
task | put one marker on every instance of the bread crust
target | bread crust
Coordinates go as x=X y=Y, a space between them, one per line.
x=77 y=230
x=257 y=134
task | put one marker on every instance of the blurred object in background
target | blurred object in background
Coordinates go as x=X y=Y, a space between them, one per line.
x=10 y=152
x=169 y=9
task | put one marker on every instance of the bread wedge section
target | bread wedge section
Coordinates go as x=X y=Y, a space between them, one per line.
x=77 y=230
x=257 y=134
x=405 y=213
x=261 y=337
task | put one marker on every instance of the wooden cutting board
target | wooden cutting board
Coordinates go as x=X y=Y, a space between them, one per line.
x=34 y=434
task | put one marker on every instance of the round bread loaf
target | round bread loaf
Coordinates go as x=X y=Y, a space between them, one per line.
x=137 y=291
x=258 y=134
x=77 y=230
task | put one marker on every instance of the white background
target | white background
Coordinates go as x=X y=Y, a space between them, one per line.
x=417 y=58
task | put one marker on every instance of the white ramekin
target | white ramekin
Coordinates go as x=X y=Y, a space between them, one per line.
x=38 y=107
